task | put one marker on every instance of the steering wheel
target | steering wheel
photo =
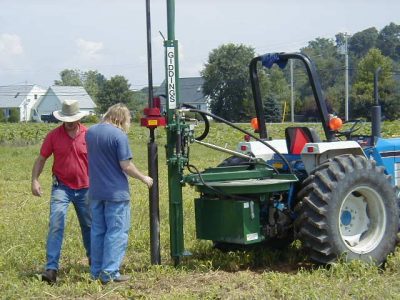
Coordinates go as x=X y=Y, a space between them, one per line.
x=356 y=125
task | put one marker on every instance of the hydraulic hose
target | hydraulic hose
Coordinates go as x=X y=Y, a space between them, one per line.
x=245 y=132
x=206 y=122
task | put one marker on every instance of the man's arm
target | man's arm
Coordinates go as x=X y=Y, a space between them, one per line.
x=129 y=168
x=36 y=171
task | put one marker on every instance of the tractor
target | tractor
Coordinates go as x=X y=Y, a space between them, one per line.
x=336 y=194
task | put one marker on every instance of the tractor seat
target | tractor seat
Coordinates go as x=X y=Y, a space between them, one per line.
x=297 y=137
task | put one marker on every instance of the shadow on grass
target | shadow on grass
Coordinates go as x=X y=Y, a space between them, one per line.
x=31 y=274
x=257 y=258
x=73 y=271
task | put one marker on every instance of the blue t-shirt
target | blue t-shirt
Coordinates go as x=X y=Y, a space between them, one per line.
x=107 y=145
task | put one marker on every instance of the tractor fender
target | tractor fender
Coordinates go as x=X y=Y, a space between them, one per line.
x=258 y=150
x=314 y=154
x=386 y=153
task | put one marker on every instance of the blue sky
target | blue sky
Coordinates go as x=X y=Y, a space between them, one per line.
x=39 y=38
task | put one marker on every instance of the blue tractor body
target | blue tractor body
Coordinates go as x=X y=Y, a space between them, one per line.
x=386 y=153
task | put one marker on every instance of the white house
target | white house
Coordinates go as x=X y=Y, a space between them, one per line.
x=56 y=94
x=22 y=97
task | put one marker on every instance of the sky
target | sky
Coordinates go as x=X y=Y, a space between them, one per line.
x=40 y=38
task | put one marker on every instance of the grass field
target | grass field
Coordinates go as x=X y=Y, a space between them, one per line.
x=207 y=274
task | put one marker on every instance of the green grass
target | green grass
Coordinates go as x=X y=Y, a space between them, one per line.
x=208 y=273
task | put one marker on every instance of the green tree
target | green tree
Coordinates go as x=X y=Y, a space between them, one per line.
x=310 y=110
x=389 y=41
x=69 y=78
x=329 y=63
x=363 y=89
x=139 y=102
x=226 y=80
x=93 y=82
x=115 y=90
x=266 y=88
x=278 y=86
x=334 y=96
x=272 y=109
x=361 y=42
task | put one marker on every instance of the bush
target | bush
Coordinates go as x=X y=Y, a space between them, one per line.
x=90 y=119
x=2 y=116
x=14 y=115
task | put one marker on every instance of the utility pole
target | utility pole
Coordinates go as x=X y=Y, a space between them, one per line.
x=292 y=92
x=346 y=84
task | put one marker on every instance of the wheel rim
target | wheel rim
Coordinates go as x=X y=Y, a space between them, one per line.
x=362 y=220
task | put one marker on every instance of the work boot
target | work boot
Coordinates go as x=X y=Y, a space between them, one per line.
x=122 y=278
x=50 y=276
x=119 y=279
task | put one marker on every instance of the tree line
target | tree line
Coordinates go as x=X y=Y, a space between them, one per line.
x=227 y=82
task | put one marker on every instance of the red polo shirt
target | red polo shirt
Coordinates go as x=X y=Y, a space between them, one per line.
x=70 y=156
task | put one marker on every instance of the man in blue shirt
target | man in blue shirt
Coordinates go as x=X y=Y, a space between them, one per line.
x=110 y=164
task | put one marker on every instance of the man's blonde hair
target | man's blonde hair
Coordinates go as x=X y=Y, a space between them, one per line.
x=118 y=115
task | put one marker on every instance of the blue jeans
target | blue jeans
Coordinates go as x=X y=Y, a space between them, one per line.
x=109 y=236
x=61 y=196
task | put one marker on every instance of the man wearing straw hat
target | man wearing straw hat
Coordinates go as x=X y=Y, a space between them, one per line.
x=70 y=182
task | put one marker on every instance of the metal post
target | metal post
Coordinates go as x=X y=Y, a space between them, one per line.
x=376 y=109
x=292 y=92
x=376 y=89
x=346 y=107
x=152 y=149
x=173 y=134
x=152 y=156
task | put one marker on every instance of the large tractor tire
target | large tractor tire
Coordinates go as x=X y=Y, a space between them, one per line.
x=348 y=209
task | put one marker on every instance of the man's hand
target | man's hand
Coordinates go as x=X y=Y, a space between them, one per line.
x=36 y=171
x=36 y=189
x=148 y=181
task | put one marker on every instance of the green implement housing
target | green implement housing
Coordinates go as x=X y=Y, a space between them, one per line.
x=231 y=199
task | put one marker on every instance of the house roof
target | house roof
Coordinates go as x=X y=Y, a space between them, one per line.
x=73 y=93
x=14 y=95
x=190 y=90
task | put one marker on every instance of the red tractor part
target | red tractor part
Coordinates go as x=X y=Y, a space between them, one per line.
x=153 y=118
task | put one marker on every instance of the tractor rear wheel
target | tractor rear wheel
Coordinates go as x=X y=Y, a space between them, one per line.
x=348 y=208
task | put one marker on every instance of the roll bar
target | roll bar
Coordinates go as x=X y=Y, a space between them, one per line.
x=281 y=60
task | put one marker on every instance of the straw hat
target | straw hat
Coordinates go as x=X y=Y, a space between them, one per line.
x=69 y=112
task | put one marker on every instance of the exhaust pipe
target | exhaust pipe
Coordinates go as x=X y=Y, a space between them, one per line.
x=376 y=109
